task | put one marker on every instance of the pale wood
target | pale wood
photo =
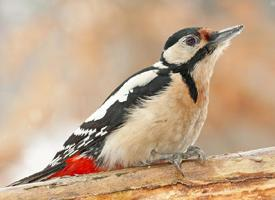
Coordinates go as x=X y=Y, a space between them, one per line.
x=245 y=175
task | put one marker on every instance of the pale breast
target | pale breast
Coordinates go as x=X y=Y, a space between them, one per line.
x=161 y=124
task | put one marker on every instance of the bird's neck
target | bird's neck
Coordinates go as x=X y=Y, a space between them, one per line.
x=202 y=75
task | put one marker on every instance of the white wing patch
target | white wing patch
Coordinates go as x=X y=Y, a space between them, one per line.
x=70 y=149
x=160 y=65
x=81 y=131
x=122 y=94
x=101 y=132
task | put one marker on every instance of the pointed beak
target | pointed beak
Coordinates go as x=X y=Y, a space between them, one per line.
x=218 y=37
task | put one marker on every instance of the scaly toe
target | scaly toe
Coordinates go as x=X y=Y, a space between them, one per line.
x=196 y=152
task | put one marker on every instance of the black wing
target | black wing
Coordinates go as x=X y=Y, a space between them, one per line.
x=89 y=138
x=92 y=133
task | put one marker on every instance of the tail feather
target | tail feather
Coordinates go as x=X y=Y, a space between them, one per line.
x=39 y=176
x=72 y=166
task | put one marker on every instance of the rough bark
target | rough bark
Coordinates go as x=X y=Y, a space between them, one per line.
x=246 y=175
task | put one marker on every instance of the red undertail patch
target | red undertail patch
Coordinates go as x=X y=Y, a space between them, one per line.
x=78 y=165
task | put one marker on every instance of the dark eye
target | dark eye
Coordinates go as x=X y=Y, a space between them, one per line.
x=191 y=41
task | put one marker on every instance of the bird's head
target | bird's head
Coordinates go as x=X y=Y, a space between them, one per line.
x=189 y=47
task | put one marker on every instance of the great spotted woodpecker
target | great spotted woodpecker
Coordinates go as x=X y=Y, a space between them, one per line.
x=156 y=114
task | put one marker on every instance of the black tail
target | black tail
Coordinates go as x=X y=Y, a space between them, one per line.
x=39 y=176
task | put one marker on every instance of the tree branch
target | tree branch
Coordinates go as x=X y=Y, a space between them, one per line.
x=232 y=176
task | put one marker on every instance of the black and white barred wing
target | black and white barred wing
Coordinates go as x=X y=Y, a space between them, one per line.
x=90 y=136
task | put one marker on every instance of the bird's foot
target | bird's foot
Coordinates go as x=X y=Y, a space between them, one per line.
x=193 y=152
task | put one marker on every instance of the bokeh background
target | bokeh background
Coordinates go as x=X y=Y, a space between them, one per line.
x=60 y=59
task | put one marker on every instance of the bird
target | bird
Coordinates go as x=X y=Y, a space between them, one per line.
x=155 y=115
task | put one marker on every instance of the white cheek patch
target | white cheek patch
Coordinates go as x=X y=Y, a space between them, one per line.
x=122 y=94
x=179 y=53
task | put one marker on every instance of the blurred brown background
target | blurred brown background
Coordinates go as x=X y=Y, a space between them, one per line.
x=60 y=59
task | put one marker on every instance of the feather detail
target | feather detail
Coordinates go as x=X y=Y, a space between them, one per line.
x=78 y=164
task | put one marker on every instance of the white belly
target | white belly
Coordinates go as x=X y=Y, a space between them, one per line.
x=168 y=123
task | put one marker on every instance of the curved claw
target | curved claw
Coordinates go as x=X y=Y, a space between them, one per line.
x=196 y=152
x=193 y=152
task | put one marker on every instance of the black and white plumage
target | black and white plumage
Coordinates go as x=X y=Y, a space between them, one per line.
x=161 y=108
x=113 y=112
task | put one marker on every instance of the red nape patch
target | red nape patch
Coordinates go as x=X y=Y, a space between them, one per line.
x=78 y=165
x=205 y=33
